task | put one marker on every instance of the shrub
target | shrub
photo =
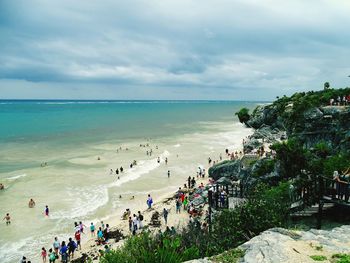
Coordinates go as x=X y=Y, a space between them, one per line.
x=243 y=115
x=318 y=258
x=341 y=258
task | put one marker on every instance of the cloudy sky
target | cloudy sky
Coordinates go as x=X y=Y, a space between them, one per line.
x=178 y=49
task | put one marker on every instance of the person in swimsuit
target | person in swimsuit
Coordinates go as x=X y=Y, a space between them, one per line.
x=43 y=254
x=8 y=219
x=2 y=187
x=92 y=229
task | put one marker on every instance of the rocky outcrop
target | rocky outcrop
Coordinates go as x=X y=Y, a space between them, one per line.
x=279 y=245
x=229 y=169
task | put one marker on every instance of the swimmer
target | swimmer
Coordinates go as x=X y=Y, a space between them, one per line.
x=166 y=160
x=2 y=187
x=121 y=169
x=98 y=158
x=31 y=203
x=132 y=198
x=118 y=177
x=8 y=219
x=168 y=173
x=158 y=160
x=120 y=196
x=117 y=171
x=111 y=172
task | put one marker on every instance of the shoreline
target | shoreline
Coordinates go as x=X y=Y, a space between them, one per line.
x=178 y=220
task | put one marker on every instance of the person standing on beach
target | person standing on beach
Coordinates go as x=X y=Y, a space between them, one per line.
x=149 y=201
x=166 y=160
x=72 y=246
x=168 y=173
x=92 y=229
x=165 y=215
x=43 y=254
x=140 y=218
x=63 y=252
x=56 y=245
x=178 y=205
x=8 y=219
x=116 y=171
x=121 y=169
x=81 y=226
x=52 y=256
x=46 y=212
x=134 y=223
x=130 y=224
x=77 y=237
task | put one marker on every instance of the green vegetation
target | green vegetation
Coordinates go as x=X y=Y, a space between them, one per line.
x=266 y=207
x=319 y=248
x=341 y=258
x=243 y=115
x=318 y=258
x=230 y=256
x=266 y=167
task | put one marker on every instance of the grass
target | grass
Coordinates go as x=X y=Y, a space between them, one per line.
x=318 y=258
x=230 y=256
x=341 y=258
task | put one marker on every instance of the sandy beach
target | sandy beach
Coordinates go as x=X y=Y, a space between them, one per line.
x=167 y=201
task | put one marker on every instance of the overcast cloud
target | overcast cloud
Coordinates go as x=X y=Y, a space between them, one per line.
x=179 y=49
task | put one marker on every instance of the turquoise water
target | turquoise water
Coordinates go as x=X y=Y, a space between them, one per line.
x=71 y=135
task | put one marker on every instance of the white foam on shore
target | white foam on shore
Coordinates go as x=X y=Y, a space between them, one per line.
x=16 y=177
x=85 y=201
x=143 y=167
x=177 y=145
x=29 y=247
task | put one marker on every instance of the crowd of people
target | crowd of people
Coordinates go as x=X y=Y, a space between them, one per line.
x=340 y=100
x=64 y=250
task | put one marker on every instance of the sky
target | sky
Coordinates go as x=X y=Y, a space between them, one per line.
x=178 y=49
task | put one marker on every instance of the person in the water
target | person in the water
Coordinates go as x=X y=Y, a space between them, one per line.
x=31 y=203
x=47 y=210
x=8 y=219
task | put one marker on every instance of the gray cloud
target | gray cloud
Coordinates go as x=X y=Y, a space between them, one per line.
x=185 y=49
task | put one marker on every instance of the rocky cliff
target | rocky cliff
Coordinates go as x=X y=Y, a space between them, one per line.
x=278 y=245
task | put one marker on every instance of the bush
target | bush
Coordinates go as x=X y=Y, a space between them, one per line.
x=243 y=115
x=148 y=248
x=291 y=156
x=341 y=258
x=318 y=258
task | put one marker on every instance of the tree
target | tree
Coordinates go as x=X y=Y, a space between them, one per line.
x=243 y=115
x=326 y=85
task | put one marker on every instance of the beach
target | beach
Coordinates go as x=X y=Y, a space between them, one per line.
x=81 y=146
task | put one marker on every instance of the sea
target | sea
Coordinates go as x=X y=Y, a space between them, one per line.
x=64 y=153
